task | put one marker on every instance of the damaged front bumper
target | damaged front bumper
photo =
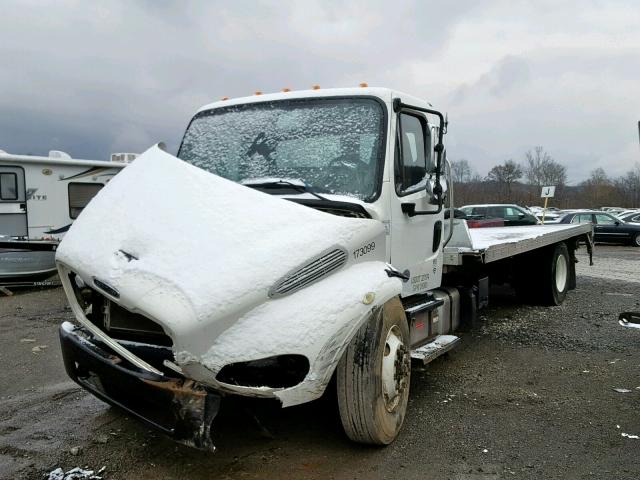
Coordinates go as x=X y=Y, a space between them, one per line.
x=181 y=408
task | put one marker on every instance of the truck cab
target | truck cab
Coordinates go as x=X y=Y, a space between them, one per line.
x=368 y=152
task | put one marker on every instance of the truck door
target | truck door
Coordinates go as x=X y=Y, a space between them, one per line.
x=13 y=202
x=412 y=238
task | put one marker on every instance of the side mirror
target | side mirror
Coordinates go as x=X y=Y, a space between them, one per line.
x=436 y=191
x=521 y=216
x=617 y=223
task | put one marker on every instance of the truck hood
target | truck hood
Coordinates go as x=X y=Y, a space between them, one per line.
x=194 y=251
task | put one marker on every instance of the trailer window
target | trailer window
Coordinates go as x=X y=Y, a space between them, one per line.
x=80 y=194
x=8 y=186
x=411 y=166
x=332 y=145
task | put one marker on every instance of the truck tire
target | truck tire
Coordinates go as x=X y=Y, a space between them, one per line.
x=373 y=376
x=556 y=275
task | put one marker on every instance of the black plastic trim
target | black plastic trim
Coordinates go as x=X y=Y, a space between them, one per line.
x=30 y=246
x=175 y=407
x=353 y=207
x=437 y=235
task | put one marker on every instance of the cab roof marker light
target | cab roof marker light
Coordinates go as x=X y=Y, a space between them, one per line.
x=285 y=90
x=258 y=93
x=315 y=87
x=224 y=98
x=364 y=85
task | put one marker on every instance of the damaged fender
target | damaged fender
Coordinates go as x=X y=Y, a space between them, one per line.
x=317 y=322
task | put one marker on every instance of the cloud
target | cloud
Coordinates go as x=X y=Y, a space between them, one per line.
x=576 y=103
x=96 y=77
x=125 y=74
x=509 y=74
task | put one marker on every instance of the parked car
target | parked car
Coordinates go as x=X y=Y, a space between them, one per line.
x=612 y=210
x=512 y=214
x=551 y=215
x=606 y=227
x=632 y=216
x=475 y=222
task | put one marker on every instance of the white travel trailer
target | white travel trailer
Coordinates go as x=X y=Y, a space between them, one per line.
x=39 y=199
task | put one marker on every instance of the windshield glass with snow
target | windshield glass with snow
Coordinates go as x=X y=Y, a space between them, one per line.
x=328 y=145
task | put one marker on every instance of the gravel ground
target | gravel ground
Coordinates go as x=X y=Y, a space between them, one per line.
x=528 y=394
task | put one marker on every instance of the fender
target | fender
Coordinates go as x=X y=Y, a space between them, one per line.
x=318 y=322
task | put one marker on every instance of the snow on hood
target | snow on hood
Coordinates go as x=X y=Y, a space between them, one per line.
x=188 y=248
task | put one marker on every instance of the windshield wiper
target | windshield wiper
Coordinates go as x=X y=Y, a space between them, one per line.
x=299 y=187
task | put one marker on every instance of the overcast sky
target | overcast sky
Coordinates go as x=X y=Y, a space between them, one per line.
x=92 y=78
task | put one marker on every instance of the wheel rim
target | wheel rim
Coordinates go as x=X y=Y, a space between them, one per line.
x=561 y=273
x=395 y=369
x=637 y=240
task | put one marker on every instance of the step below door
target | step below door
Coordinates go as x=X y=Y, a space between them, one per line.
x=13 y=202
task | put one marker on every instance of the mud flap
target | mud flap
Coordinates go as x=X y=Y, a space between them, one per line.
x=180 y=408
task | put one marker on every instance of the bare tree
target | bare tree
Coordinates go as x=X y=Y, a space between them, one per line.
x=598 y=189
x=541 y=169
x=461 y=171
x=628 y=187
x=598 y=177
x=505 y=175
x=502 y=184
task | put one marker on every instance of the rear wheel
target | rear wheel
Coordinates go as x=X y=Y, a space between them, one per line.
x=635 y=241
x=373 y=377
x=543 y=277
x=556 y=276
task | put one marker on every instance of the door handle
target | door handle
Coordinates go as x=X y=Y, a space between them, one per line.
x=23 y=206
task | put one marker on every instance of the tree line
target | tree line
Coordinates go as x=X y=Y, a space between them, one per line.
x=521 y=183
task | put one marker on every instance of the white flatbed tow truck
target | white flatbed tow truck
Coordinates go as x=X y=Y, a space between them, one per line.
x=296 y=238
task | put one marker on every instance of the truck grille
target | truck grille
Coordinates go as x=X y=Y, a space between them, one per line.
x=121 y=323
x=310 y=273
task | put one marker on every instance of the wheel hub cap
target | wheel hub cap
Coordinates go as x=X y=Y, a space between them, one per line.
x=395 y=369
x=561 y=273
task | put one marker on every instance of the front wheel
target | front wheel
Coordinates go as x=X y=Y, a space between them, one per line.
x=373 y=377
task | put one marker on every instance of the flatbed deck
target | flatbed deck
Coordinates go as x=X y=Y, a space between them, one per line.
x=496 y=243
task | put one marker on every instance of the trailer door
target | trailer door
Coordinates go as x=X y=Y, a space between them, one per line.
x=13 y=202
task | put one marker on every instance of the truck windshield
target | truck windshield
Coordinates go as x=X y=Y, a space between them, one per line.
x=328 y=145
